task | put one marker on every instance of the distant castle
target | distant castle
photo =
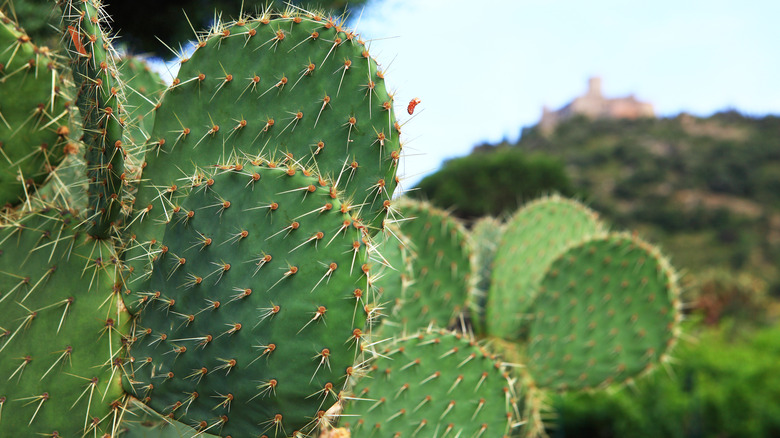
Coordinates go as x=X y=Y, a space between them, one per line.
x=594 y=105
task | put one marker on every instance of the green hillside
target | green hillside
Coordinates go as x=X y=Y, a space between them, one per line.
x=706 y=189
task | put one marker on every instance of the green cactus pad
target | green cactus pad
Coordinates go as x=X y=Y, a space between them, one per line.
x=61 y=324
x=433 y=384
x=608 y=311
x=296 y=90
x=257 y=305
x=394 y=272
x=486 y=234
x=534 y=236
x=442 y=267
x=33 y=114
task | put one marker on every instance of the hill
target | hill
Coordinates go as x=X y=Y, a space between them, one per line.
x=706 y=189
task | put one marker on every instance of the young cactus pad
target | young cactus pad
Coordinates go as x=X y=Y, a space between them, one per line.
x=295 y=90
x=608 y=310
x=433 y=384
x=61 y=319
x=33 y=114
x=534 y=236
x=257 y=304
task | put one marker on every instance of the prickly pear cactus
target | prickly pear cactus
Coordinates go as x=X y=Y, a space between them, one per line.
x=486 y=234
x=33 y=114
x=294 y=90
x=441 y=274
x=394 y=272
x=608 y=310
x=61 y=324
x=534 y=236
x=99 y=98
x=139 y=421
x=433 y=383
x=256 y=306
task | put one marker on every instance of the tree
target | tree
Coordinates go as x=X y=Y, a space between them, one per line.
x=493 y=181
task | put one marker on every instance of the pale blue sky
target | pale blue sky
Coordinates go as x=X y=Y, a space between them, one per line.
x=483 y=69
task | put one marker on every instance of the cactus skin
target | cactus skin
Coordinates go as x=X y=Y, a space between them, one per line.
x=99 y=95
x=608 y=311
x=395 y=269
x=433 y=384
x=33 y=114
x=291 y=90
x=263 y=283
x=534 y=236
x=61 y=321
x=440 y=253
x=143 y=89
x=141 y=422
x=486 y=234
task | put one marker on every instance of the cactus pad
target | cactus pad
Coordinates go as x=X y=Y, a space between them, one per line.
x=293 y=90
x=257 y=303
x=442 y=267
x=433 y=384
x=486 y=234
x=61 y=319
x=534 y=236
x=608 y=310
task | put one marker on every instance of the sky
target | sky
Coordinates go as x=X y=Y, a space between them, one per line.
x=484 y=69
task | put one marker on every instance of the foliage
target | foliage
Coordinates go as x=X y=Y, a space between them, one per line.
x=718 y=294
x=724 y=387
x=493 y=183
x=141 y=30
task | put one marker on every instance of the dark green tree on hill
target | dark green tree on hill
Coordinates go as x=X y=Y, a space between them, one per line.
x=493 y=181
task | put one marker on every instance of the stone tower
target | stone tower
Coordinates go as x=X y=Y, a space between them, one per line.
x=594 y=105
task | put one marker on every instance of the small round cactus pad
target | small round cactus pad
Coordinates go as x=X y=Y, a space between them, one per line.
x=608 y=310
x=533 y=237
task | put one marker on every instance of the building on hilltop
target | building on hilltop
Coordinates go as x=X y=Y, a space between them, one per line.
x=595 y=106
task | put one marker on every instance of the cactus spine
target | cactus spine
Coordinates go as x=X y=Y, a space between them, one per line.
x=33 y=114
x=99 y=96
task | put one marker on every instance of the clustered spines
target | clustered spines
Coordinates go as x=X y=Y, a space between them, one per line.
x=33 y=115
x=143 y=88
x=79 y=365
x=100 y=97
x=290 y=300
